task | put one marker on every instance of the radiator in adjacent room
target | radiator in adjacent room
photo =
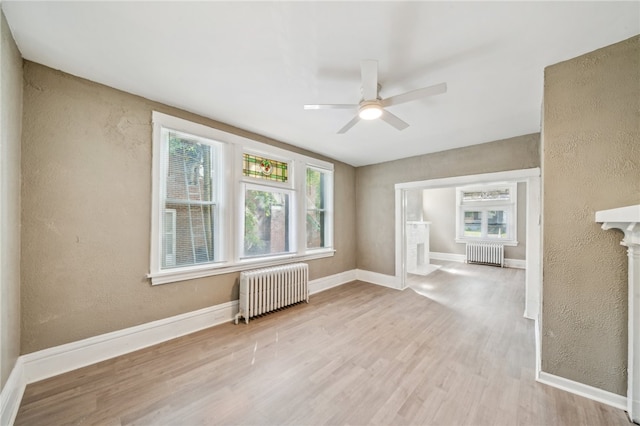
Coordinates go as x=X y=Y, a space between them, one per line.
x=268 y=289
x=486 y=253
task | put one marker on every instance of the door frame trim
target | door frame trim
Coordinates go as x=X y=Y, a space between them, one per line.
x=533 y=273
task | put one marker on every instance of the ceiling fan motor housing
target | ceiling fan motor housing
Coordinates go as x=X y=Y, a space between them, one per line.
x=370 y=110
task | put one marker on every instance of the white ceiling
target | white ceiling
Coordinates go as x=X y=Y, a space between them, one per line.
x=253 y=65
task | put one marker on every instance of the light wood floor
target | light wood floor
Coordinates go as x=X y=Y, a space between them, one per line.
x=453 y=350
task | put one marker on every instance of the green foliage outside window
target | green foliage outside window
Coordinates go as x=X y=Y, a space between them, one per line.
x=257 y=205
x=315 y=209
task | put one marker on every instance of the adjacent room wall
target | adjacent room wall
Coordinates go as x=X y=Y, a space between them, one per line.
x=86 y=162
x=439 y=208
x=591 y=162
x=375 y=192
x=413 y=208
x=10 y=128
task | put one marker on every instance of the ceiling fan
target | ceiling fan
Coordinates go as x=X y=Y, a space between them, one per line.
x=372 y=106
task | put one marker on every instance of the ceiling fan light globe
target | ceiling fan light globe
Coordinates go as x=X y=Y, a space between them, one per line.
x=370 y=112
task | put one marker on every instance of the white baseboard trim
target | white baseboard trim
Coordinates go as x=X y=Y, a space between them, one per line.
x=11 y=394
x=325 y=283
x=515 y=263
x=71 y=356
x=455 y=257
x=384 y=280
x=451 y=257
x=60 y=359
x=605 y=397
x=577 y=388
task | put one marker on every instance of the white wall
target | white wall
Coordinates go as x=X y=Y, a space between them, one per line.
x=439 y=208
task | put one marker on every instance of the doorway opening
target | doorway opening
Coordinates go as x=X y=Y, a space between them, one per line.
x=411 y=228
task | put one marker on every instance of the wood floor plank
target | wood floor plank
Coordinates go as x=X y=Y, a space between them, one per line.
x=453 y=349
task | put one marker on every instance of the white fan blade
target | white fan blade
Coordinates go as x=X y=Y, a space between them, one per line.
x=369 y=75
x=415 y=95
x=394 y=120
x=331 y=106
x=349 y=125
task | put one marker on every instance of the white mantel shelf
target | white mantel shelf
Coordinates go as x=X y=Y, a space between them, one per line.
x=627 y=219
x=622 y=214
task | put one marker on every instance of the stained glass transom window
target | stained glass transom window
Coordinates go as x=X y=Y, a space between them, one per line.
x=264 y=168
x=500 y=194
x=487 y=213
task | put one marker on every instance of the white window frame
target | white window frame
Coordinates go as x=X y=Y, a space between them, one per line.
x=170 y=261
x=328 y=207
x=484 y=206
x=161 y=123
x=289 y=184
x=230 y=241
x=292 y=225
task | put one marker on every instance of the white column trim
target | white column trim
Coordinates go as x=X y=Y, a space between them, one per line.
x=627 y=219
x=401 y=202
x=533 y=250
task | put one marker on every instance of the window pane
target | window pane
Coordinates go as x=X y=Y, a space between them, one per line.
x=472 y=224
x=192 y=241
x=497 y=223
x=315 y=228
x=189 y=171
x=189 y=220
x=266 y=222
x=501 y=194
x=315 y=189
x=264 y=168
x=315 y=193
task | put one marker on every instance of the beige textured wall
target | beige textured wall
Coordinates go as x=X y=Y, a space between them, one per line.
x=591 y=162
x=375 y=203
x=86 y=162
x=440 y=208
x=10 y=128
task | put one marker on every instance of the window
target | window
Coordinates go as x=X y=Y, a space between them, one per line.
x=266 y=222
x=189 y=199
x=268 y=205
x=318 y=199
x=223 y=203
x=472 y=224
x=487 y=213
x=265 y=168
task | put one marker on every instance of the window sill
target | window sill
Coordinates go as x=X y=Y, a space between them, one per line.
x=504 y=243
x=170 y=276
